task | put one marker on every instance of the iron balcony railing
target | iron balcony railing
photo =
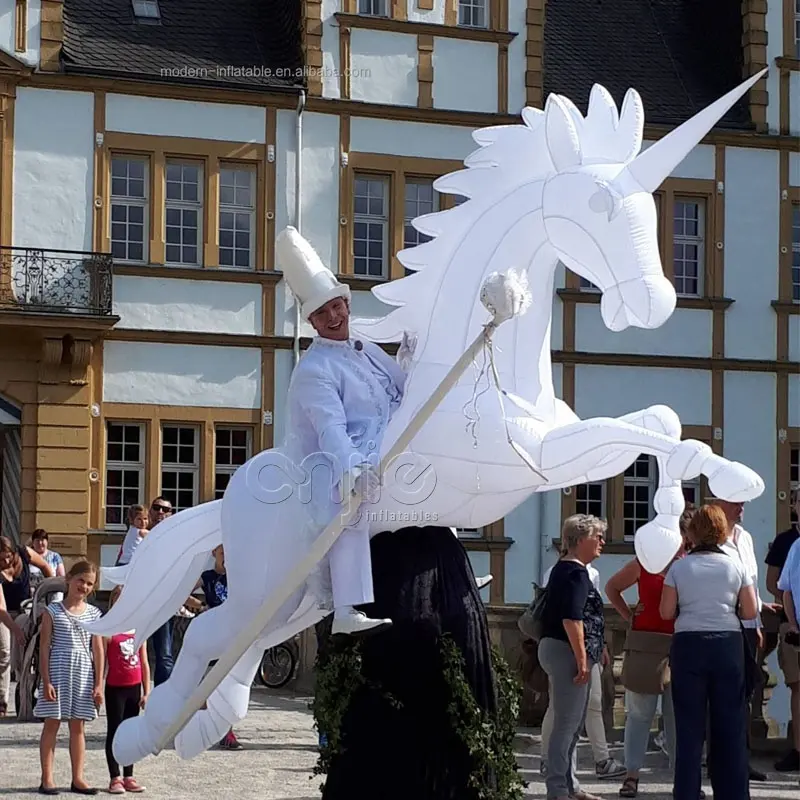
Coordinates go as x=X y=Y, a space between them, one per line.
x=55 y=281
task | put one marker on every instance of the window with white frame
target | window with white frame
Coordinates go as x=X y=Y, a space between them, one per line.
x=237 y=217
x=180 y=465
x=688 y=243
x=794 y=479
x=373 y=8
x=371 y=226
x=232 y=448
x=691 y=492
x=797 y=28
x=586 y=285
x=420 y=198
x=473 y=13
x=146 y=10
x=796 y=252
x=637 y=499
x=129 y=208
x=125 y=457
x=590 y=498
x=469 y=533
x=183 y=213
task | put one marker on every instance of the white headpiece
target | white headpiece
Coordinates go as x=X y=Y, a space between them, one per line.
x=311 y=282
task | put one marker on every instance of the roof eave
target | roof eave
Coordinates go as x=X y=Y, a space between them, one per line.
x=142 y=77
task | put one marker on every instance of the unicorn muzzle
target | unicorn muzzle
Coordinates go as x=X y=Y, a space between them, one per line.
x=642 y=303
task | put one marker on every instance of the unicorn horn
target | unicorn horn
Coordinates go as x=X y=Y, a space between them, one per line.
x=651 y=167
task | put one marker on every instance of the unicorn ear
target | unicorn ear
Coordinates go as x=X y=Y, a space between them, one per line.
x=561 y=134
x=631 y=124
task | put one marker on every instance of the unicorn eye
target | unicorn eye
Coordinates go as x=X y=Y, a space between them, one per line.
x=606 y=200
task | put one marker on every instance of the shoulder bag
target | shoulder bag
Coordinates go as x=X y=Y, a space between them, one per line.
x=531 y=622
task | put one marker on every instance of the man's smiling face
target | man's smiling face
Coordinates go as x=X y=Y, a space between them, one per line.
x=332 y=321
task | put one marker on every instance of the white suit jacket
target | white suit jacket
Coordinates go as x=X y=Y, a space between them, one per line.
x=341 y=398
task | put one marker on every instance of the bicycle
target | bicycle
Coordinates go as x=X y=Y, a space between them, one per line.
x=278 y=665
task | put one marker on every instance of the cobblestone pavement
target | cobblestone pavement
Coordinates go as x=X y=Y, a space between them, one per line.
x=277 y=762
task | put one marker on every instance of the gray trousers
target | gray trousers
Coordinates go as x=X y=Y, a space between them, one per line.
x=569 y=703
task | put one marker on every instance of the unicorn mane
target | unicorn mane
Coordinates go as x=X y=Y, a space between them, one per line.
x=603 y=136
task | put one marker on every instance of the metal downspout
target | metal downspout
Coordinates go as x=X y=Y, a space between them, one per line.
x=301 y=103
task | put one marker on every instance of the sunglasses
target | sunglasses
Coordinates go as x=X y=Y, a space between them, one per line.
x=165 y=509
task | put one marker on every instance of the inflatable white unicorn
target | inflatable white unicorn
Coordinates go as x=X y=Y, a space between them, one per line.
x=560 y=187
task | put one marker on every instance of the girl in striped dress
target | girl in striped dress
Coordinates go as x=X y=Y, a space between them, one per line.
x=71 y=667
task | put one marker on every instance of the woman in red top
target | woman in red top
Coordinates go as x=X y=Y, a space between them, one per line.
x=645 y=616
x=127 y=687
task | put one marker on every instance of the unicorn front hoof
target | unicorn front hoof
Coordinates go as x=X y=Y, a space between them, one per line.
x=656 y=544
x=133 y=741
x=688 y=460
x=736 y=483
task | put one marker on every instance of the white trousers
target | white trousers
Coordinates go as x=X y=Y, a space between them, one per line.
x=351 y=567
x=595 y=729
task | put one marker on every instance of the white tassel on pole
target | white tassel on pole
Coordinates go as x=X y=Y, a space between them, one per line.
x=505 y=296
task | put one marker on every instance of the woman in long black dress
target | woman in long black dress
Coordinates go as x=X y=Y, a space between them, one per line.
x=405 y=704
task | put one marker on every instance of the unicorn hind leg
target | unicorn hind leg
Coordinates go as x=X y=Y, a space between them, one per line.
x=207 y=637
x=227 y=705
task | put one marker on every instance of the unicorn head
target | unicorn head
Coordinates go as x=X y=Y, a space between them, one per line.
x=598 y=208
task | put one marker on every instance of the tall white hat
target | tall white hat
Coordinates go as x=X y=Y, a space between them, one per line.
x=311 y=282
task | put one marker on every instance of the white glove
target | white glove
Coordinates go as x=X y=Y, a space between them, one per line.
x=405 y=352
x=365 y=480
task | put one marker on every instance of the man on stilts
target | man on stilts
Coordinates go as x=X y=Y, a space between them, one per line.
x=342 y=395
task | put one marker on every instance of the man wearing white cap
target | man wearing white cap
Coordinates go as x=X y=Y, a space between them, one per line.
x=341 y=397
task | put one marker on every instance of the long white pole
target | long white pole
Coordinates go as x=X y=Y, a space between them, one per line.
x=318 y=551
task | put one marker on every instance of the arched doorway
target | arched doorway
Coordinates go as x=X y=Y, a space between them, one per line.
x=10 y=469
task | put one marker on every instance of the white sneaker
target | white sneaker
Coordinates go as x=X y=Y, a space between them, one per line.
x=484 y=581
x=350 y=621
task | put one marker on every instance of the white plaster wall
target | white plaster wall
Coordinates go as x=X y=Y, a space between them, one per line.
x=794 y=106
x=284 y=362
x=480 y=566
x=8 y=27
x=794 y=401
x=155 y=116
x=686 y=333
x=517 y=63
x=557 y=325
x=420 y=139
x=774 y=22
x=319 y=193
x=331 y=66
x=181 y=375
x=285 y=170
x=794 y=169
x=602 y=391
x=698 y=164
x=750 y=437
x=752 y=199
x=284 y=313
x=53 y=169
x=794 y=338
x=416 y=14
x=366 y=305
x=464 y=75
x=179 y=305
x=383 y=67
x=558 y=379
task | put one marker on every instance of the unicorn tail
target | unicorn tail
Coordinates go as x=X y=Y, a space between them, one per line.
x=162 y=573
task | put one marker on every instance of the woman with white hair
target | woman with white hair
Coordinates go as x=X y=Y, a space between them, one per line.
x=573 y=631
